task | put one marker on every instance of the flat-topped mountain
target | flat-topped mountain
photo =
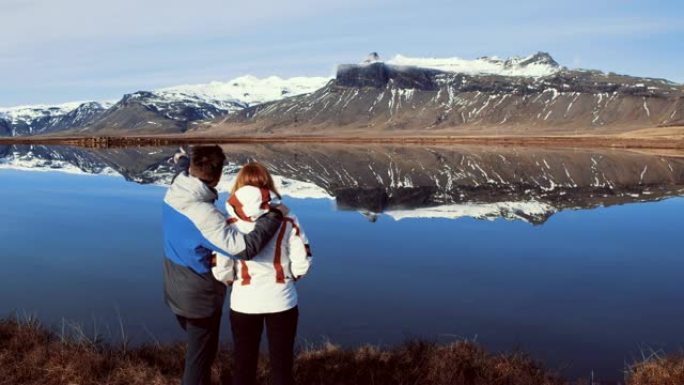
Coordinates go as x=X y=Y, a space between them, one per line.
x=486 y=96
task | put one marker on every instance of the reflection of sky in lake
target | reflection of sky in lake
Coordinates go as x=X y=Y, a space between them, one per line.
x=584 y=289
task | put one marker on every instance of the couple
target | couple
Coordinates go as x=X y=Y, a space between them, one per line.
x=259 y=250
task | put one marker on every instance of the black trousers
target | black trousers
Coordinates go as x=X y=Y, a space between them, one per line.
x=281 y=329
x=202 y=346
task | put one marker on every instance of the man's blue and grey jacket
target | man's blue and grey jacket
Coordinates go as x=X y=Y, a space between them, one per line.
x=193 y=229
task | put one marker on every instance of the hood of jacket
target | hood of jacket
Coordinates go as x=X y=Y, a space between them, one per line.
x=248 y=203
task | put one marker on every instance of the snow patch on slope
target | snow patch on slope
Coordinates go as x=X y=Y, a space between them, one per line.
x=29 y=113
x=248 y=90
x=490 y=211
x=39 y=118
x=537 y=65
x=30 y=163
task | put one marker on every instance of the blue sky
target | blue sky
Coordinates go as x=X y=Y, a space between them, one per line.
x=62 y=50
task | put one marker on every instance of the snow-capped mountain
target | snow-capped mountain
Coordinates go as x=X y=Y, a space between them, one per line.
x=39 y=119
x=172 y=109
x=488 y=95
x=176 y=109
x=247 y=90
x=512 y=96
x=408 y=182
x=158 y=112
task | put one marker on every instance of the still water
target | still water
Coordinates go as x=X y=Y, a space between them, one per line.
x=574 y=256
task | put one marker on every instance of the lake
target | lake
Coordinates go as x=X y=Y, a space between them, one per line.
x=572 y=255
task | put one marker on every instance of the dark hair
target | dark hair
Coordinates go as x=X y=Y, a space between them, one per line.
x=206 y=163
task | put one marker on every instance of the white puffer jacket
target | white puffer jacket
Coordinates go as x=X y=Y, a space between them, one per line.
x=264 y=284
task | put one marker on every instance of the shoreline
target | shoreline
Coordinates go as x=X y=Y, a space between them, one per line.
x=598 y=141
x=32 y=354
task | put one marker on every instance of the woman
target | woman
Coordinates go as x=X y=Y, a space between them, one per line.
x=263 y=288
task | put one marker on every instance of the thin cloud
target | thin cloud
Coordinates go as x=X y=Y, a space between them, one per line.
x=53 y=50
x=48 y=22
x=13 y=6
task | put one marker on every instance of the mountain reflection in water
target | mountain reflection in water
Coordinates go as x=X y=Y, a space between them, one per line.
x=407 y=181
x=573 y=291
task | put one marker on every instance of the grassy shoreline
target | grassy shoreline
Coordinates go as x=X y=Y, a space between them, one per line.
x=31 y=354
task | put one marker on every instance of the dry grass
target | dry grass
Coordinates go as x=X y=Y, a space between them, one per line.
x=32 y=355
x=658 y=371
x=419 y=363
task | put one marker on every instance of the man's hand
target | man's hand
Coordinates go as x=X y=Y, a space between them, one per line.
x=180 y=154
x=282 y=208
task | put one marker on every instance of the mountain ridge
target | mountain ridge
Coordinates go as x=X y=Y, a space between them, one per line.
x=165 y=110
x=489 y=95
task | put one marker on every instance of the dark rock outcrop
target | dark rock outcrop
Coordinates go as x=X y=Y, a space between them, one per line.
x=378 y=75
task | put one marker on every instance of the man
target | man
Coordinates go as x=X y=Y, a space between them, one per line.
x=193 y=229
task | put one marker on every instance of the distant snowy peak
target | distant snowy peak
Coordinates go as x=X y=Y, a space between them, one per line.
x=26 y=120
x=191 y=103
x=179 y=106
x=537 y=65
x=172 y=109
x=27 y=113
x=248 y=90
x=227 y=96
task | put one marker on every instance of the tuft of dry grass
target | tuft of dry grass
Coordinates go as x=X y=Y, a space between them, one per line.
x=658 y=371
x=417 y=362
x=32 y=355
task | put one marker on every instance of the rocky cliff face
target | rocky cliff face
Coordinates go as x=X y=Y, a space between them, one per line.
x=402 y=182
x=377 y=97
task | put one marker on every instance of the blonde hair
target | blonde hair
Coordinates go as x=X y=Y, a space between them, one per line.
x=254 y=174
